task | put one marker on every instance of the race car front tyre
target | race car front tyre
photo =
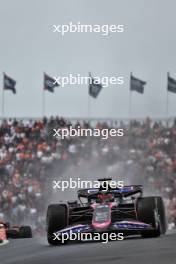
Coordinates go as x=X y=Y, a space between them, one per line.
x=25 y=232
x=57 y=218
x=150 y=210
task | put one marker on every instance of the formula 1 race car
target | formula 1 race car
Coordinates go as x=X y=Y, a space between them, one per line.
x=16 y=231
x=116 y=210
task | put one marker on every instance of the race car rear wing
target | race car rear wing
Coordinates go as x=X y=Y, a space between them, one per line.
x=125 y=191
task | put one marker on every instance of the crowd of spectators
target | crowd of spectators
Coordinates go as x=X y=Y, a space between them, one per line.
x=30 y=157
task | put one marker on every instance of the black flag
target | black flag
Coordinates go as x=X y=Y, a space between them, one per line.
x=94 y=87
x=9 y=83
x=137 y=85
x=171 y=84
x=49 y=83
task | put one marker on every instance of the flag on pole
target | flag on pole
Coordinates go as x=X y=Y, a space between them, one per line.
x=94 y=87
x=49 y=83
x=171 y=84
x=9 y=83
x=137 y=85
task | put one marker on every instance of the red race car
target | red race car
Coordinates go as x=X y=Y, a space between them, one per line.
x=14 y=231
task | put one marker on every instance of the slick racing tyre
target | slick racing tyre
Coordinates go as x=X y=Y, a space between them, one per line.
x=25 y=232
x=57 y=219
x=150 y=210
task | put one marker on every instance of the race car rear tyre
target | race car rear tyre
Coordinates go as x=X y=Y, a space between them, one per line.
x=162 y=214
x=57 y=218
x=150 y=210
x=25 y=232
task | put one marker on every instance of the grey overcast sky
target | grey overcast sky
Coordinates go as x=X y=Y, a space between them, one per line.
x=147 y=48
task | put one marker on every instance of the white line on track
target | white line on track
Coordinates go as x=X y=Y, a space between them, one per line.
x=5 y=242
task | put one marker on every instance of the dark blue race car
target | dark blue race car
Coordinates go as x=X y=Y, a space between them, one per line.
x=123 y=210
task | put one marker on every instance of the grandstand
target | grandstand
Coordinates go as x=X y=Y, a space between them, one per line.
x=30 y=158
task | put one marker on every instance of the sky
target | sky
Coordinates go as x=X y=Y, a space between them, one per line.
x=147 y=48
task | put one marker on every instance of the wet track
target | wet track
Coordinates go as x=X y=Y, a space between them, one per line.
x=134 y=250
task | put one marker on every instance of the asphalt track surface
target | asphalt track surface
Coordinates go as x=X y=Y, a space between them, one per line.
x=160 y=250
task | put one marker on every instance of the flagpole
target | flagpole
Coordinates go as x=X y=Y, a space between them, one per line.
x=3 y=98
x=167 y=100
x=88 y=107
x=89 y=101
x=43 y=98
x=130 y=100
x=43 y=103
